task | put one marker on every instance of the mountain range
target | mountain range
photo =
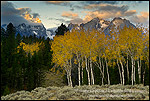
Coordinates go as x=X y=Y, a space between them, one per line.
x=96 y=23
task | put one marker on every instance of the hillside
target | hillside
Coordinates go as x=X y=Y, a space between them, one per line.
x=94 y=92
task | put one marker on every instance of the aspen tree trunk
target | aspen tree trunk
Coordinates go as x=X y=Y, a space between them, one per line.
x=100 y=67
x=107 y=72
x=87 y=70
x=139 y=73
x=143 y=77
x=123 y=81
x=82 y=75
x=70 y=73
x=119 y=71
x=82 y=71
x=132 y=70
x=103 y=74
x=68 y=78
x=92 y=76
x=127 y=67
x=140 y=70
x=79 y=72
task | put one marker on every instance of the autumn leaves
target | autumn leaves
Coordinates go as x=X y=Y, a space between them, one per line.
x=30 y=48
x=93 y=48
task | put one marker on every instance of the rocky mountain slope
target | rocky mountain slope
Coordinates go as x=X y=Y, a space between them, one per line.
x=96 y=23
x=118 y=22
x=104 y=25
x=27 y=30
x=85 y=92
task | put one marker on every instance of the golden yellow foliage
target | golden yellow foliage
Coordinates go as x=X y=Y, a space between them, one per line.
x=30 y=47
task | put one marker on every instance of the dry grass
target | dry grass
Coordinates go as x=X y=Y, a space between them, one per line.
x=94 y=92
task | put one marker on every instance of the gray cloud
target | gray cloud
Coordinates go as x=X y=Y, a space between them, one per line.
x=60 y=20
x=143 y=18
x=72 y=9
x=14 y=15
x=35 y=15
x=10 y=14
x=72 y=5
x=8 y=9
x=107 y=7
x=107 y=11
x=81 y=4
x=98 y=2
x=77 y=21
x=108 y=2
x=61 y=3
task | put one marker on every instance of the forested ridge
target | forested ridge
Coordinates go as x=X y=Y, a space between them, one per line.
x=82 y=57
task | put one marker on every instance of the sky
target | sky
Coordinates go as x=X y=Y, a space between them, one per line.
x=52 y=13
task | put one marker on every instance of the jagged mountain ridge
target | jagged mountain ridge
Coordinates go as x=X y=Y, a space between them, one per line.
x=96 y=23
x=118 y=22
x=104 y=25
x=27 y=30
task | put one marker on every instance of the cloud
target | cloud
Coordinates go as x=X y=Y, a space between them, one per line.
x=77 y=21
x=107 y=7
x=130 y=12
x=73 y=5
x=10 y=14
x=23 y=10
x=72 y=9
x=60 y=20
x=109 y=2
x=107 y=14
x=69 y=15
x=16 y=15
x=98 y=2
x=107 y=11
x=142 y=18
x=8 y=9
x=61 y=3
x=57 y=2
x=35 y=15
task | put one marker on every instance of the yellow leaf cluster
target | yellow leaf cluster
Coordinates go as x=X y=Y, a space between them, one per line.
x=30 y=47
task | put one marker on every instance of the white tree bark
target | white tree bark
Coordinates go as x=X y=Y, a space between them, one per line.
x=127 y=67
x=102 y=72
x=132 y=70
x=123 y=80
x=79 y=74
x=70 y=72
x=68 y=78
x=82 y=71
x=92 y=75
x=107 y=71
x=119 y=72
x=143 y=77
x=86 y=62
x=79 y=70
x=139 y=70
